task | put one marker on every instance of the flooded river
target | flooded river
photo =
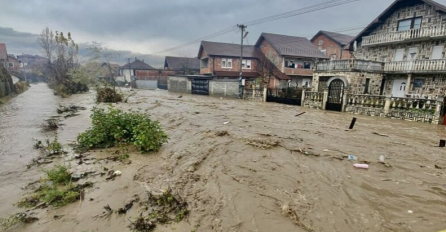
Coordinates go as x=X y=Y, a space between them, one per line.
x=245 y=166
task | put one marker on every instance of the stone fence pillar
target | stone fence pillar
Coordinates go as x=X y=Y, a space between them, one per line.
x=325 y=99
x=302 y=100
x=345 y=99
x=265 y=92
x=387 y=104
x=438 y=108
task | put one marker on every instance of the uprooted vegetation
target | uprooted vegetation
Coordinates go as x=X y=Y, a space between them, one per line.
x=69 y=111
x=16 y=219
x=160 y=209
x=108 y=95
x=115 y=127
x=50 y=147
x=56 y=189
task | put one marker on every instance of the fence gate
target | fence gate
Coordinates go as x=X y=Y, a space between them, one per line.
x=200 y=87
x=335 y=95
x=290 y=96
x=162 y=83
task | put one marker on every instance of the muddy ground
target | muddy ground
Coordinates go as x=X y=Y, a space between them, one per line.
x=240 y=166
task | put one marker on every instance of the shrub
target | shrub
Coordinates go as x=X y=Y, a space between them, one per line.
x=59 y=175
x=115 y=127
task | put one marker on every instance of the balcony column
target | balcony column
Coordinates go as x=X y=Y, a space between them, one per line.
x=408 y=83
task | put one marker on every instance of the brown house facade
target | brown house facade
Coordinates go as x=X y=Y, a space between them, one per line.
x=333 y=45
x=293 y=56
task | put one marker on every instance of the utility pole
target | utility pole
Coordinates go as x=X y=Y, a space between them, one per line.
x=240 y=87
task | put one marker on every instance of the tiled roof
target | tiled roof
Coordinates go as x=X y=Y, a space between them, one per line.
x=337 y=37
x=292 y=45
x=3 y=52
x=138 y=64
x=227 y=49
x=178 y=63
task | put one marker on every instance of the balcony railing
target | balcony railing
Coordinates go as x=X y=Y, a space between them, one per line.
x=416 y=66
x=349 y=65
x=397 y=36
x=299 y=71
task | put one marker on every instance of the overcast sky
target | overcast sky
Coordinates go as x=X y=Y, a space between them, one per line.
x=137 y=27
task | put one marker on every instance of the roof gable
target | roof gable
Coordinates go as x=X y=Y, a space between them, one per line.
x=138 y=64
x=179 y=63
x=287 y=45
x=390 y=10
x=339 y=38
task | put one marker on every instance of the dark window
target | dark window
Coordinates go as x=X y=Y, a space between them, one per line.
x=399 y=14
x=366 y=87
x=407 y=24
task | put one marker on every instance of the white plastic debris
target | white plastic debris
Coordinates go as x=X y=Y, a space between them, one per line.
x=382 y=158
x=326 y=150
x=226 y=123
x=117 y=173
x=409 y=211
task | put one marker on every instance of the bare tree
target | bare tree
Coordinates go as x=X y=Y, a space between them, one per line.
x=267 y=67
x=61 y=52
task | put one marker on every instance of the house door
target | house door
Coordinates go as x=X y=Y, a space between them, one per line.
x=399 y=54
x=200 y=87
x=437 y=53
x=399 y=88
x=335 y=95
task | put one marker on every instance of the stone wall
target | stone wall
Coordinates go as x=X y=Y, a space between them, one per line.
x=433 y=85
x=356 y=81
x=430 y=18
x=226 y=88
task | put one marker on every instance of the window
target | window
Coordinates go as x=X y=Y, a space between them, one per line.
x=11 y=65
x=307 y=65
x=407 y=24
x=367 y=84
x=321 y=42
x=226 y=63
x=290 y=64
x=246 y=64
x=204 y=63
x=324 y=52
x=333 y=57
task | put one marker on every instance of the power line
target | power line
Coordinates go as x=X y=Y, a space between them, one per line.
x=288 y=14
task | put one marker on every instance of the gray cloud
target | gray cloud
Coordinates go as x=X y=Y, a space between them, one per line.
x=137 y=27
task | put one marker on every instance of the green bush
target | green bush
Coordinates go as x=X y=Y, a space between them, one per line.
x=115 y=127
x=59 y=175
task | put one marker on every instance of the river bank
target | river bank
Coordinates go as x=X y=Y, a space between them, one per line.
x=240 y=166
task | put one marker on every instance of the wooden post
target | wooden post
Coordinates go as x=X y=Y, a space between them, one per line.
x=352 y=124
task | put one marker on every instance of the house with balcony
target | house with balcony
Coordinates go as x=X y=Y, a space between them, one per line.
x=333 y=45
x=398 y=62
x=294 y=56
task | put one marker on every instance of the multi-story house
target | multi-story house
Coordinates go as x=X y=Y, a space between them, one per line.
x=400 y=54
x=294 y=56
x=333 y=45
x=222 y=60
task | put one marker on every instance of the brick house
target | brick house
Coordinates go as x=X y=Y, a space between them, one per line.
x=139 y=69
x=182 y=65
x=222 y=60
x=294 y=57
x=333 y=45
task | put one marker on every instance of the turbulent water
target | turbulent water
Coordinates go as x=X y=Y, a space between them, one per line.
x=246 y=166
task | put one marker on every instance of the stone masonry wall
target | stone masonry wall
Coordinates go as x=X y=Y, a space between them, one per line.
x=430 y=18
x=356 y=81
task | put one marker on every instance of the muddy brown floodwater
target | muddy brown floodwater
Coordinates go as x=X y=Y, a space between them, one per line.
x=243 y=166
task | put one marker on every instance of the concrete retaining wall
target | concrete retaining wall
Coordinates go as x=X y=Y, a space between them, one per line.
x=179 y=85
x=224 y=88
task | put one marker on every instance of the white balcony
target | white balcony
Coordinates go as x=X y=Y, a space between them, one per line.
x=349 y=65
x=416 y=66
x=409 y=35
